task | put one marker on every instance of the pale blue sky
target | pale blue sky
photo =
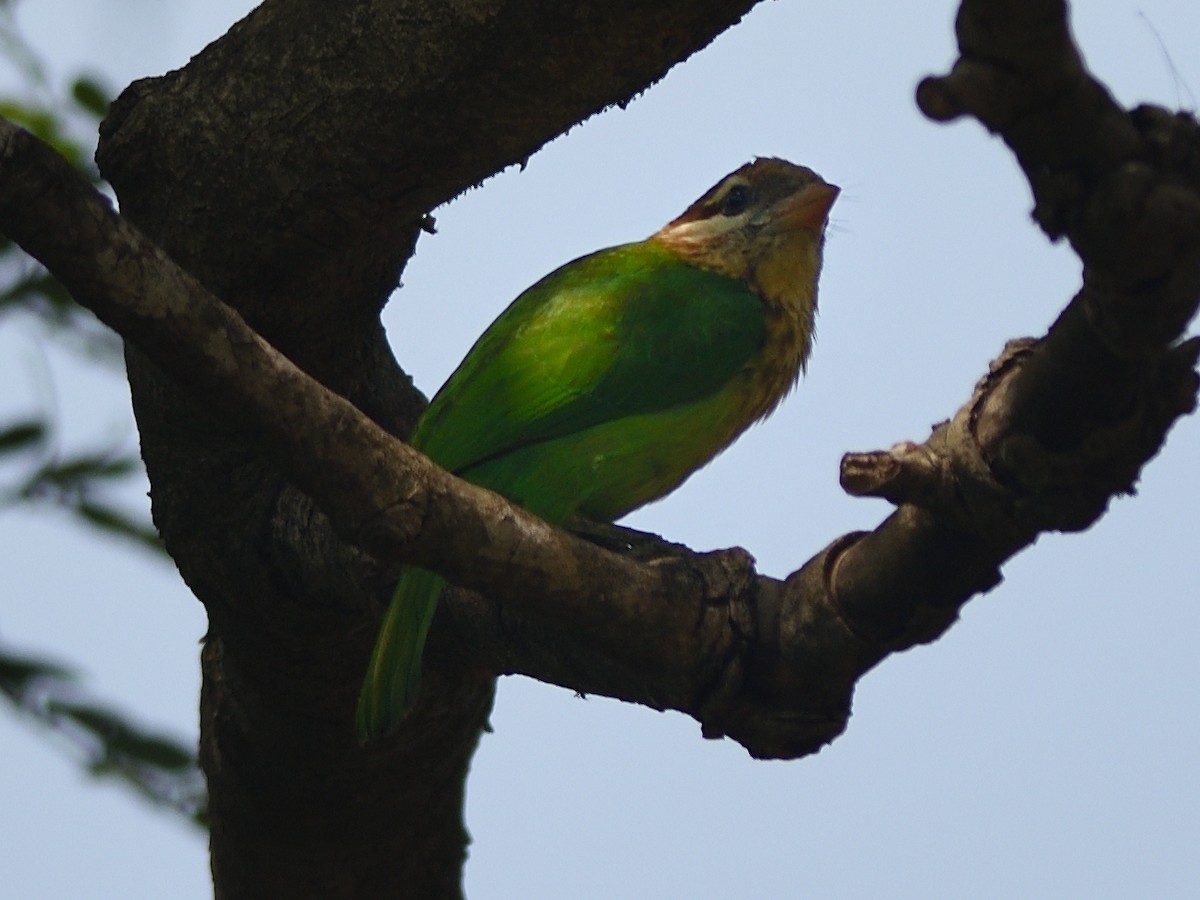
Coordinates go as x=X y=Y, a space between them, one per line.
x=1046 y=747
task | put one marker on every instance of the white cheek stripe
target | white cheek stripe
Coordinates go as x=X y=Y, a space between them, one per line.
x=705 y=229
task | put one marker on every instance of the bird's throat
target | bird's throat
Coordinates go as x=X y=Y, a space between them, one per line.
x=785 y=279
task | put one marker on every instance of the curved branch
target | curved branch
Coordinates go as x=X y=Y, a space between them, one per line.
x=1061 y=425
x=1055 y=429
x=379 y=494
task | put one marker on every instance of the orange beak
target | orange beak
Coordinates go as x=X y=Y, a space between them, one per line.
x=810 y=207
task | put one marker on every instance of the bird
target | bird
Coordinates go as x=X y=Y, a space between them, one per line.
x=605 y=385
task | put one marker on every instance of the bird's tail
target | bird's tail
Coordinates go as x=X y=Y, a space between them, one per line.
x=390 y=688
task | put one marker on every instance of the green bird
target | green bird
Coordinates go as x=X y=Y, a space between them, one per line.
x=614 y=378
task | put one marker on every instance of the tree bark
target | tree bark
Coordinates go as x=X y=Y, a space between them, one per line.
x=288 y=170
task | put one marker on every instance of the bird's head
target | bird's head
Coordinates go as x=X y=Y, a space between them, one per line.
x=763 y=224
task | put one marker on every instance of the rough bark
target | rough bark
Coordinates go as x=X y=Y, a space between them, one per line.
x=288 y=168
x=287 y=171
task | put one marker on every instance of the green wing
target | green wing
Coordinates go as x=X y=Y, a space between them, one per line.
x=600 y=388
x=623 y=332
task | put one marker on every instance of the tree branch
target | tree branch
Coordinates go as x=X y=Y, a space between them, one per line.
x=384 y=497
x=381 y=495
x=1052 y=432
x=288 y=167
x=1055 y=429
x=1060 y=425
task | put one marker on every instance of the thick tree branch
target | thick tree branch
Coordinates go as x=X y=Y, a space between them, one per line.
x=352 y=121
x=672 y=627
x=380 y=494
x=1056 y=428
x=988 y=482
x=288 y=167
x=394 y=504
x=1051 y=433
x=1060 y=425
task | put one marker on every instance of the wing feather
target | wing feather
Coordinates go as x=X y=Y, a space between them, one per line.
x=619 y=333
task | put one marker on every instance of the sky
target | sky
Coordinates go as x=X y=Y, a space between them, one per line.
x=1047 y=746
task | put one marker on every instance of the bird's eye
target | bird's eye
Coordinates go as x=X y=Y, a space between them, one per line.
x=736 y=200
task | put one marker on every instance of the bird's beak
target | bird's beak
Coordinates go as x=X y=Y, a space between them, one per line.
x=809 y=207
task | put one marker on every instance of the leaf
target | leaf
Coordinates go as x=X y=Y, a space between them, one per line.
x=41 y=285
x=160 y=752
x=160 y=769
x=22 y=436
x=48 y=127
x=31 y=118
x=116 y=522
x=91 y=96
x=87 y=467
x=100 y=722
x=120 y=738
x=16 y=672
x=42 y=295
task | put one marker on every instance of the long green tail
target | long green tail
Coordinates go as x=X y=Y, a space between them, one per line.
x=390 y=688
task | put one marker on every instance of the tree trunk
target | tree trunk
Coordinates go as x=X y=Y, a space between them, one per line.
x=289 y=167
x=288 y=170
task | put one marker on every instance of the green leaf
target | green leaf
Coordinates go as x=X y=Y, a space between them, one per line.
x=47 y=126
x=161 y=770
x=124 y=740
x=39 y=121
x=87 y=467
x=22 y=435
x=91 y=96
x=116 y=522
x=160 y=752
x=40 y=285
x=100 y=722
x=16 y=672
